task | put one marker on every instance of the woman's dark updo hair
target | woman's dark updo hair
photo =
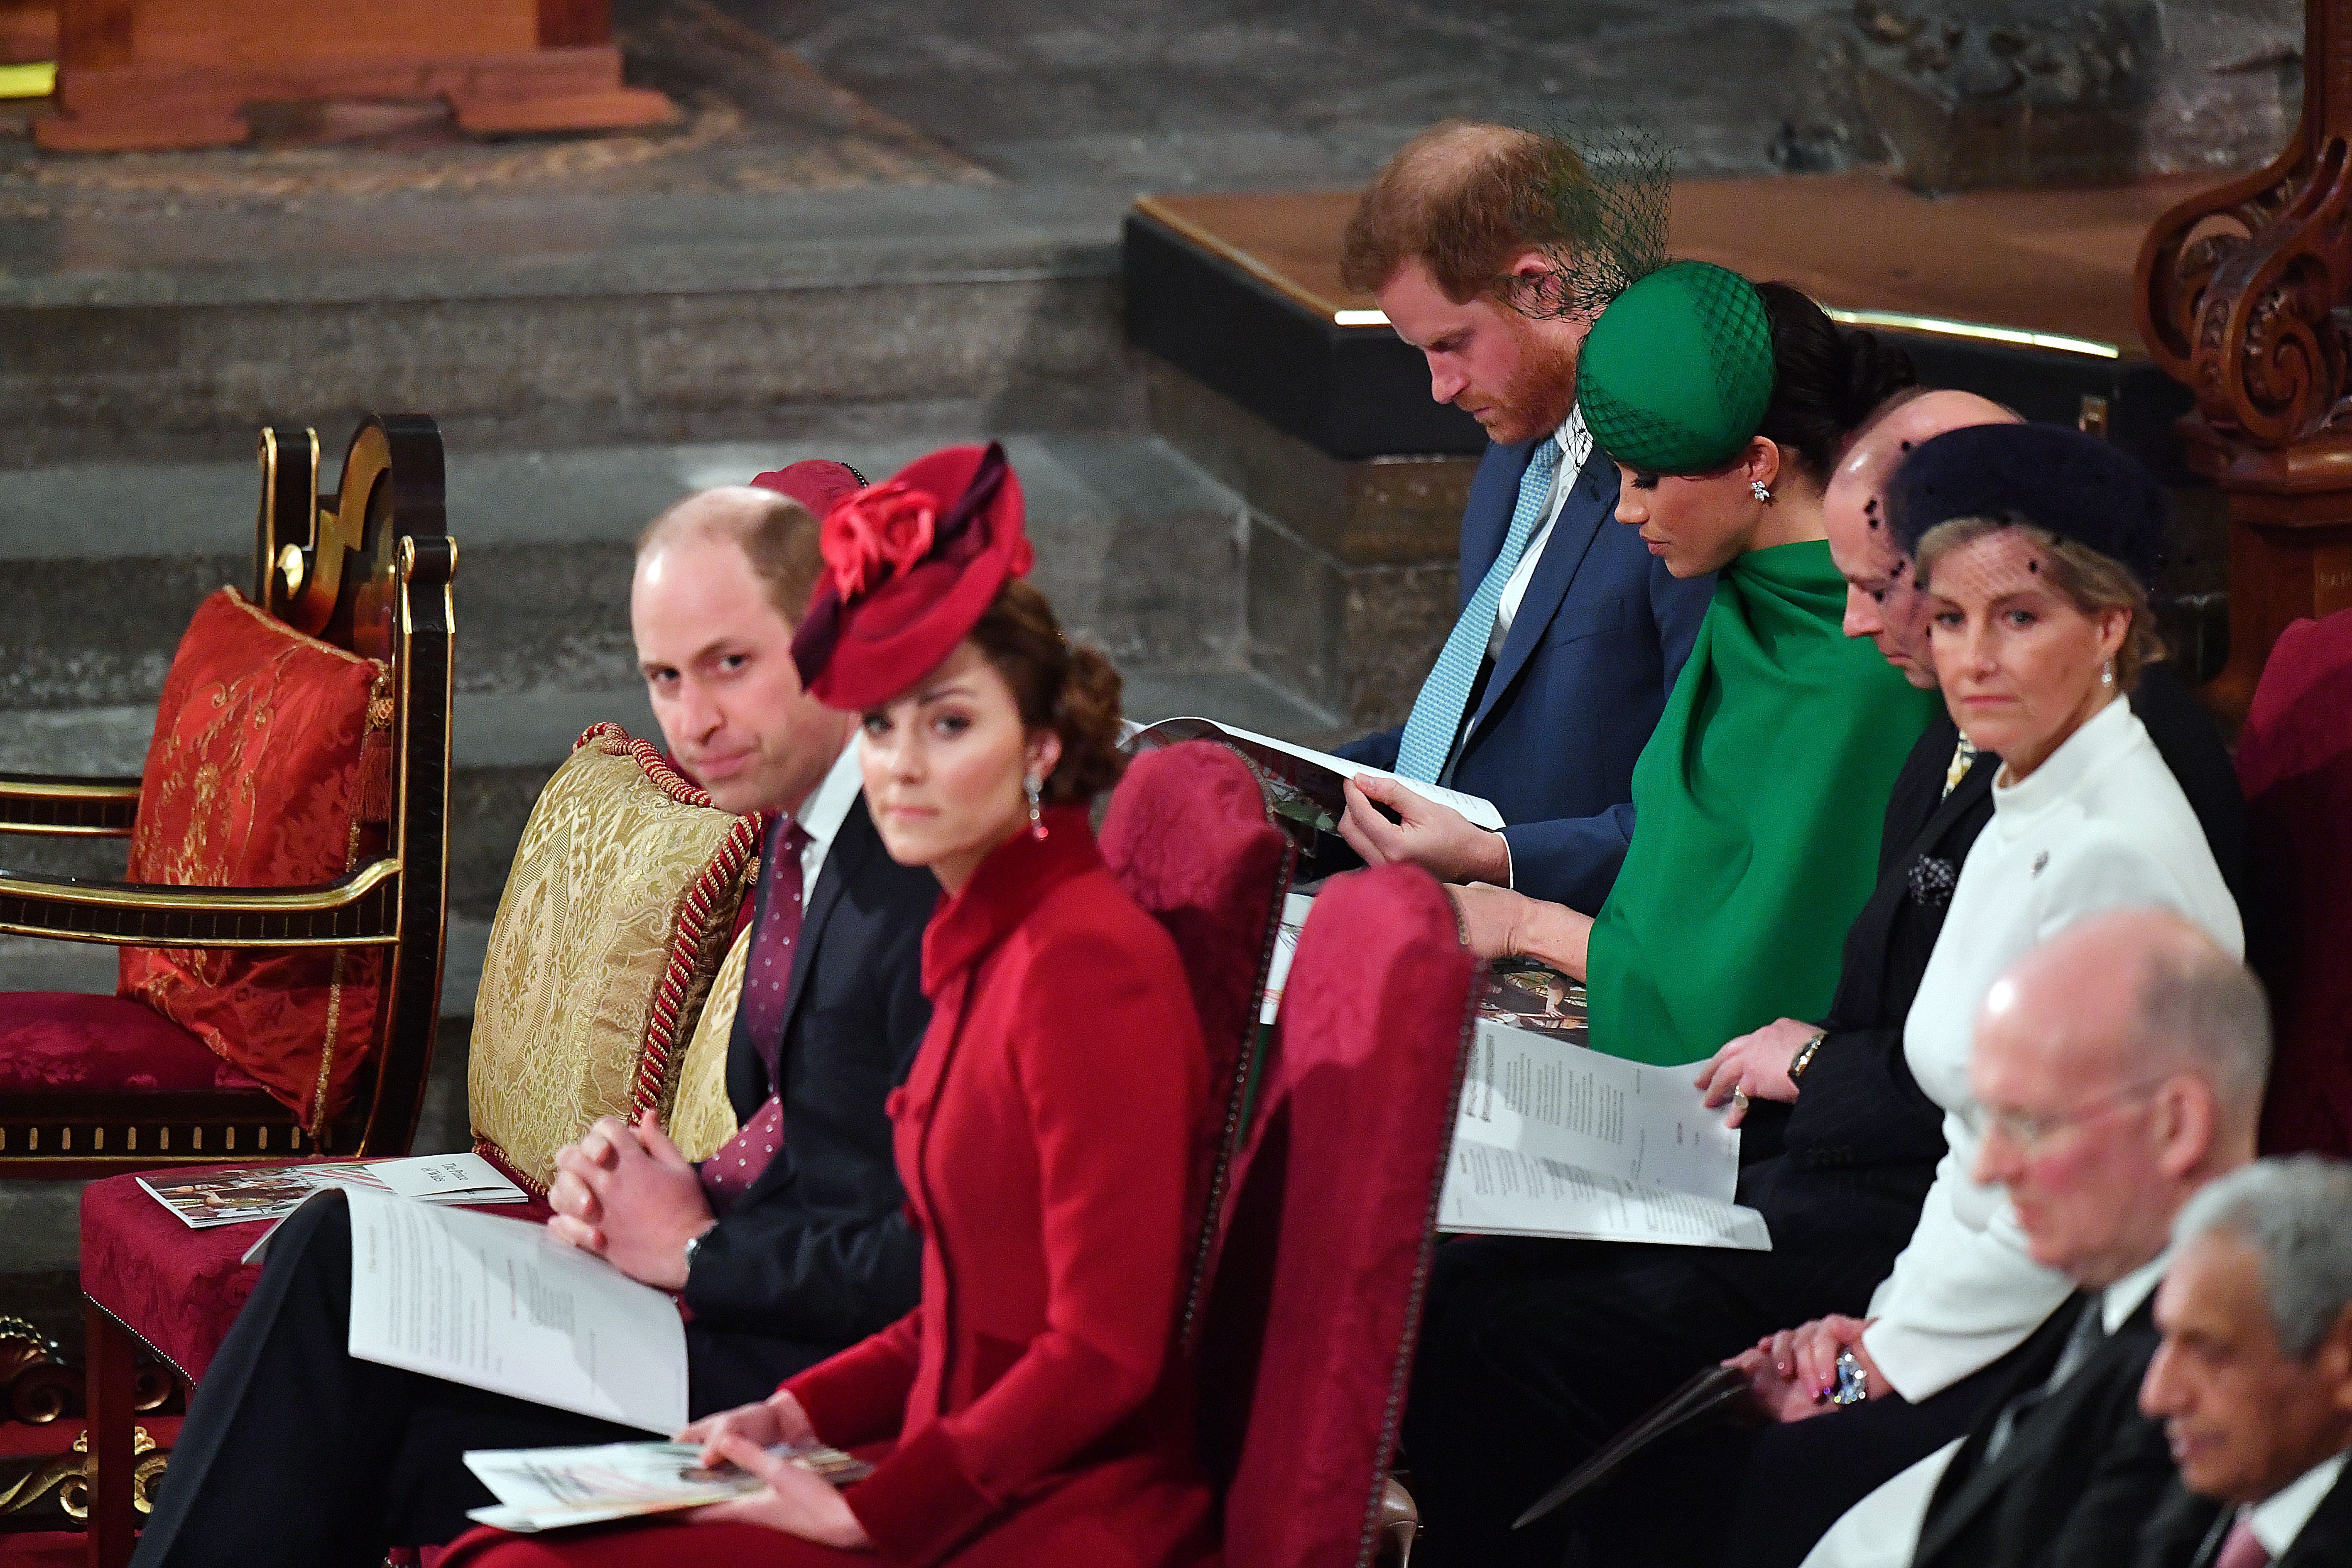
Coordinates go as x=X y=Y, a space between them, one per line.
x=1071 y=690
x=1826 y=380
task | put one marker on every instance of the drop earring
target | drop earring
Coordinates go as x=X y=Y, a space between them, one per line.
x=1763 y=491
x=2107 y=676
x=1034 y=788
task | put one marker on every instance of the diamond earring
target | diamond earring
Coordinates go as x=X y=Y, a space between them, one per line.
x=1034 y=787
x=2107 y=676
x=1763 y=493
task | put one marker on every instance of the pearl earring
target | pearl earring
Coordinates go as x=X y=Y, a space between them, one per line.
x=1034 y=787
x=2107 y=676
x=1762 y=492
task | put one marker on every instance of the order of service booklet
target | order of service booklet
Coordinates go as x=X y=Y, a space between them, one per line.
x=1306 y=783
x=497 y=1303
x=1515 y=991
x=272 y=1191
x=1554 y=1139
x=553 y=1489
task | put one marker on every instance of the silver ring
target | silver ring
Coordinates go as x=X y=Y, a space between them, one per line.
x=1740 y=1099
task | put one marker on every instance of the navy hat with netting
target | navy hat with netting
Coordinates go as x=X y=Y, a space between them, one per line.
x=1677 y=373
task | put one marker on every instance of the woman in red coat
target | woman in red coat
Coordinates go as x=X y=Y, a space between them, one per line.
x=1033 y=1409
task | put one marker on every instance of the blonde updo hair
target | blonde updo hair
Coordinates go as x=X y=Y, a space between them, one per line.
x=2094 y=584
x=1070 y=690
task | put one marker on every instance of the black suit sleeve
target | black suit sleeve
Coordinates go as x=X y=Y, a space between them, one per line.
x=821 y=1249
x=2132 y=1480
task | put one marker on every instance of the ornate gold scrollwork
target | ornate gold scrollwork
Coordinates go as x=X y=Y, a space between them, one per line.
x=307 y=573
x=36 y=1386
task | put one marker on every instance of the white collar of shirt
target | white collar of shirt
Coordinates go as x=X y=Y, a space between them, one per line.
x=2279 y=1517
x=826 y=807
x=2119 y=1301
x=1575 y=441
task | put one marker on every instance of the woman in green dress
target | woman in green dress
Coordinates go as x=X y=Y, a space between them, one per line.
x=1758 y=800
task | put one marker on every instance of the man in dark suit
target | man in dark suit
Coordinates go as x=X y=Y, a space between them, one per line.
x=2120 y=1067
x=2254 y=1379
x=788 y=1244
x=1571 y=634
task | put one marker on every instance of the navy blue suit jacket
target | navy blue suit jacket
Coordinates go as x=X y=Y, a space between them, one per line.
x=1592 y=653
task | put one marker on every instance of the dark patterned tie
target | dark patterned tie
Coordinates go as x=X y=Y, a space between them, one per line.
x=727 y=1175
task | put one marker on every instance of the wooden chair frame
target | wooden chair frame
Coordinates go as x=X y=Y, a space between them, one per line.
x=368 y=568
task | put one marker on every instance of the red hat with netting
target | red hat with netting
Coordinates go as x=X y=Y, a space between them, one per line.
x=910 y=565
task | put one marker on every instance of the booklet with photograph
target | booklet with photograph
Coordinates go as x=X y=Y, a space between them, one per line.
x=1515 y=991
x=1556 y=1139
x=553 y=1489
x=207 y=1198
x=497 y=1303
x=1306 y=783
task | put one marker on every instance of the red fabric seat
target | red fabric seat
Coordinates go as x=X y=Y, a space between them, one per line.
x=176 y=1288
x=1315 y=1297
x=1189 y=838
x=63 y=1042
x=2294 y=763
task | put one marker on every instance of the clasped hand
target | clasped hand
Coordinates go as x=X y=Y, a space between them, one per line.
x=1791 y=1374
x=626 y=1194
x=797 y=1501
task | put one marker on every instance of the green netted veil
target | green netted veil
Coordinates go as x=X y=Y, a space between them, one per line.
x=1676 y=374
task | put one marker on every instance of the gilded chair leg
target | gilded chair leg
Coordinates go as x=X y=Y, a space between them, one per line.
x=1400 y=1517
x=112 y=1373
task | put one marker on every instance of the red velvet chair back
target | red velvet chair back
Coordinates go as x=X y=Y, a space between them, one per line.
x=2294 y=763
x=1315 y=1295
x=1190 y=837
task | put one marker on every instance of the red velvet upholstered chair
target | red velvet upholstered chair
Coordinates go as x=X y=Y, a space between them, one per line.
x=2294 y=763
x=282 y=926
x=1191 y=837
x=1315 y=1292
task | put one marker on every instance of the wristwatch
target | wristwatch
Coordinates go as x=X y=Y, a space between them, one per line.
x=1853 y=1384
x=1803 y=1059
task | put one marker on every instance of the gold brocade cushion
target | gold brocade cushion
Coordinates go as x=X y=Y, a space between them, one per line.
x=702 y=1118
x=612 y=923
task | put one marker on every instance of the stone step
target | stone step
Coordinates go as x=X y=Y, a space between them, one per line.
x=104 y=563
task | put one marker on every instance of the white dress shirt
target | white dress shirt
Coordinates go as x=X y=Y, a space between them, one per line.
x=1882 y=1531
x=2101 y=825
x=1575 y=446
x=2279 y=1517
x=823 y=813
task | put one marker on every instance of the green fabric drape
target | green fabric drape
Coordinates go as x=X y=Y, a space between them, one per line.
x=1757 y=805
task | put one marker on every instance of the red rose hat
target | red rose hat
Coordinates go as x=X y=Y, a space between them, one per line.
x=911 y=567
x=818 y=484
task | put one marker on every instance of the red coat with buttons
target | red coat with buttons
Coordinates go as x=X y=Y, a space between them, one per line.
x=1037 y=1410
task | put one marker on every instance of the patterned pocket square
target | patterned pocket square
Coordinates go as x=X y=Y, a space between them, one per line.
x=1931 y=881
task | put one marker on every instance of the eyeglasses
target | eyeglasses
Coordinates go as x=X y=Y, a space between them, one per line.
x=2026 y=1130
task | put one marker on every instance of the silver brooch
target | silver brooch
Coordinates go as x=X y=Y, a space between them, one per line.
x=2041 y=860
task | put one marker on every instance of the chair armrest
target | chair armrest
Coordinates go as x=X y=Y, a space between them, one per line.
x=54 y=803
x=361 y=910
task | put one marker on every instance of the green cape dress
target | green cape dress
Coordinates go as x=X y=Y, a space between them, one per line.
x=1757 y=805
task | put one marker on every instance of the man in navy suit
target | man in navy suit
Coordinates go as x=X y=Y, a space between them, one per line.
x=1572 y=634
x=788 y=1244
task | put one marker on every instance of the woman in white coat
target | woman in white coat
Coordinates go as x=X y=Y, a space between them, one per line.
x=2037 y=637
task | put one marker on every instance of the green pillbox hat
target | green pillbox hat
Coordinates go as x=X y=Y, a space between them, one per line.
x=1676 y=373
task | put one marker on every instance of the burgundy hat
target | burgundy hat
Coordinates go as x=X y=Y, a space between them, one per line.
x=818 y=484
x=911 y=567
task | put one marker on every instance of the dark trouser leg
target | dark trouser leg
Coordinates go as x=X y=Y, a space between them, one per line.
x=294 y=1452
x=432 y=1489
x=1532 y=1355
x=1773 y=1490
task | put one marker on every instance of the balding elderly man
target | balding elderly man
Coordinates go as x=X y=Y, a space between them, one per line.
x=2254 y=1382
x=787 y=1244
x=2120 y=1068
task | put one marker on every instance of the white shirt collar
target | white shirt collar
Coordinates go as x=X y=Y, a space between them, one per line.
x=1575 y=440
x=2279 y=1517
x=821 y=813
x=2119 y=1301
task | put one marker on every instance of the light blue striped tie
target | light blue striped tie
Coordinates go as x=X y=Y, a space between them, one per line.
x=1437 y=712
